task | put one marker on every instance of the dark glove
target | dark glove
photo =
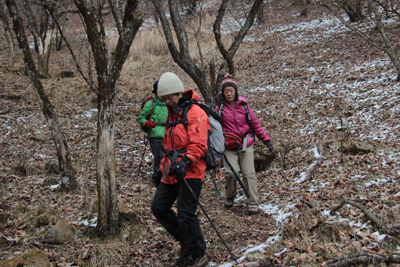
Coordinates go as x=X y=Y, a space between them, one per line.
x=157 y=178
x=269 y=145
x=149 y=124
x=179 y=169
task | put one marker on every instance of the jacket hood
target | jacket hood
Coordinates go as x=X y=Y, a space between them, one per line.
x=187 y=95
x=192 y=94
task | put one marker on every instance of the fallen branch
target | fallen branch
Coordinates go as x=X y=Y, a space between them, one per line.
x=40 y=245
x=366 y=259
x=320 y=159
x=389 y=229
x=307 y=203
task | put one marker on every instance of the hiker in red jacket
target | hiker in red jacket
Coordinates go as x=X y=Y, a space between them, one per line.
x=241 y=122
x=186 y=146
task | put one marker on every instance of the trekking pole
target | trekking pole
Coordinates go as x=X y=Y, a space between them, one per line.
x=237 y=177
x=198 y=203
x=144 y=150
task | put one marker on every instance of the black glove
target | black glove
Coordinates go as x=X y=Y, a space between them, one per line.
x=179 y=169
x=269 y=145
x=157 y=178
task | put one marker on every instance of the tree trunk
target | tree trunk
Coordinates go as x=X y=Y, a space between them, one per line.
x=68 y=181
x=8 y=34
x=106 y=162
x=353 y=9
x=44 y=52
x=108 y=74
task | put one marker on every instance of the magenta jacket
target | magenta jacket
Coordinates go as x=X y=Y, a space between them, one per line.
x=235 y=121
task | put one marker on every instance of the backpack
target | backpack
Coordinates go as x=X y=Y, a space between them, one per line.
x=150 y=97
x=215 y=142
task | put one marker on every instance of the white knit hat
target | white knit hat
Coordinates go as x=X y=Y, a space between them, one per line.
x=169 y=84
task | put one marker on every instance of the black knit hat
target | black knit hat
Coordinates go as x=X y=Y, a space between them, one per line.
x=155 y=87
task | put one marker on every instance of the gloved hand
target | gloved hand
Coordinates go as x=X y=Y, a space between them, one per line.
x=149 y=124
x=269 y=145
x=179 y=169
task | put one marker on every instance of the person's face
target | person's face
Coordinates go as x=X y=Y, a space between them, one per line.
x=229 y=93
x=171 y=100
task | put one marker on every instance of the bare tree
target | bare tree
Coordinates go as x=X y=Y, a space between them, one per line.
x=42 y=27
x=181 y=56
x=68 y=180
x=229 y=54
x=384 y=44
x=8 y=34
x=108 y=72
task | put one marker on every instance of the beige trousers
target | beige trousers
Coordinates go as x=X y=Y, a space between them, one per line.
x=242 y=161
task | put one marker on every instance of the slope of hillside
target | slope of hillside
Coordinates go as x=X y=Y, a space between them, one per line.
x=312 y=83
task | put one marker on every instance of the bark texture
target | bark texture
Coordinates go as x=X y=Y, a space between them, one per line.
x=108 y=73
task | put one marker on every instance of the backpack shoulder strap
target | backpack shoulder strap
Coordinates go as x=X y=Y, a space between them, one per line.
x=185 y=111
x=183 y=119
x=246 y=108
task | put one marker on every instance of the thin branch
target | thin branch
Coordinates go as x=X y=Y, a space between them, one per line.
x=94 y=89
x=115 y=15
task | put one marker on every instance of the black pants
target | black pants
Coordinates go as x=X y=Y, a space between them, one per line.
x=158 y=155
x=184 y=226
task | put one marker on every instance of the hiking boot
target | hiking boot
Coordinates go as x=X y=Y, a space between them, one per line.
x=182 y=257
x=229 y=202
x=253 y=211
x=199 y=262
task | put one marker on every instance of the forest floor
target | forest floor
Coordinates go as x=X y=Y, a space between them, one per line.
x=310 y=81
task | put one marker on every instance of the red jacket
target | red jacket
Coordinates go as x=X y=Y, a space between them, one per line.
x=193 y=139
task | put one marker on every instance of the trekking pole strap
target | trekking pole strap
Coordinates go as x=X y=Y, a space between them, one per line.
x=237 y=177
x=215 y=183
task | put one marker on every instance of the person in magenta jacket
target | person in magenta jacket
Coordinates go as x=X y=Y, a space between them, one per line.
x=240 y=119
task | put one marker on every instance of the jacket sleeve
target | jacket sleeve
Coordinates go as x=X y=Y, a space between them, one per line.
x=256 y=127
x=198 y=126
x=145 y=113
